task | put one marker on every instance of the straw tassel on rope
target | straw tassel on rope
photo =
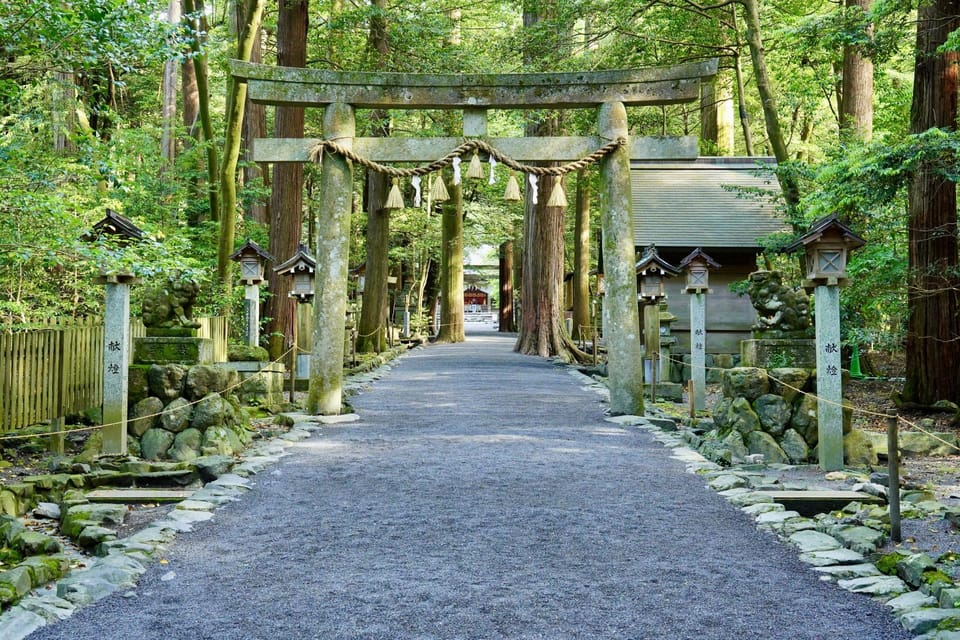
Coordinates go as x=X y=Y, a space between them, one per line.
x=438 y=191
x=394 y=199
x=512 y=192
x=475 y=170
x=558 y=198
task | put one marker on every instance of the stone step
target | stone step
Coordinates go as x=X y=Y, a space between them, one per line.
x=138 y=496
x=810 y=503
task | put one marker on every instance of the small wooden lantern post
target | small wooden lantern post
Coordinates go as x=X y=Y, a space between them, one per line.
x=252 y=260
x=826 y=246
x=116 y=335
x=652 y=271
x=301 y=267
x=698 y=265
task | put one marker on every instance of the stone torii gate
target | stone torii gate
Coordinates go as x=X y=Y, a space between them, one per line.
x=340 y=93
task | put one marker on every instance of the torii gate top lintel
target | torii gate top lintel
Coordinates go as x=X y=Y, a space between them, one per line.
x=289 y=86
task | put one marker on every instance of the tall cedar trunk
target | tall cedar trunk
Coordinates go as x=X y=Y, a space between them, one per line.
x=506 y=323
x=372 y=336
x=168 y=141
x=194 y=14
x=451 y=267
x=190 y=97
x=255 y=126
x=541 y=328
x=716 y=117
x=933 y=335
x=541 y=286
x=248 y=29
x=64 y=111
x=581 y=260
x=788 y=183
x=742 y=112
x=856 y=107
x=286 y=194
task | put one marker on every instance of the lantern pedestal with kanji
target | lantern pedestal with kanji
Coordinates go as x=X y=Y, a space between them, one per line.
x=116 y=359
x=697 y=266
x=826 y=245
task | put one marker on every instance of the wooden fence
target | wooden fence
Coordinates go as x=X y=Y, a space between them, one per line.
x=56 y=368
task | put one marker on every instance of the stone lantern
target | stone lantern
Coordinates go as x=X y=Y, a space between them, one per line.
x=301 y=267
x=115 y=225
x=826 y=246
x=698 y=265
x=252 y=259
x=652 y=271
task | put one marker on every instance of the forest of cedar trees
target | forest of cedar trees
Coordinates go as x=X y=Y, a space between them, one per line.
x=126 y=105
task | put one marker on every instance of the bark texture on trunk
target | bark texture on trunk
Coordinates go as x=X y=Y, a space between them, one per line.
x=541 y=330
x=581 y=260
x=286 y=196
x=451 y=267
x=255 y=126
x=506 y=323
x=372 y=334
x=933 y=335
x=856 y=108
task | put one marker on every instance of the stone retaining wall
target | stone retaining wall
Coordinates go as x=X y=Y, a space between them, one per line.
x=775 y=414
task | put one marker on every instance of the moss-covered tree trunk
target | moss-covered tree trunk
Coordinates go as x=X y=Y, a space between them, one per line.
x=231 y=147
x=451 y=267
x=581 y=260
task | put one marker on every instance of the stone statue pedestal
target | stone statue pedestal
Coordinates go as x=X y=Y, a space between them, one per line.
x=172 y=346
x=774 y=353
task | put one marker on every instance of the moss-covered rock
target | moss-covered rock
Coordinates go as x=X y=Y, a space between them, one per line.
x=167 y=381
x=19 y=578
x=774 y=413
x=80 y=516
x=145 y=415
x=33 y=543
x=741 y=417
x=858 y=450
x=763 y=443
x=247 y=353
x=186 y=446
x=176 y=416
x=789 y=382
x=804 y=420
x=745 y=382
x=155 y=443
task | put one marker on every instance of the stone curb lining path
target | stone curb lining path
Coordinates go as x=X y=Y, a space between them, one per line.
x=127 y=559
x=838 y=558
x=119 y=571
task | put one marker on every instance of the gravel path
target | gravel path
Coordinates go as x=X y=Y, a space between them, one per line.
x=480 y=496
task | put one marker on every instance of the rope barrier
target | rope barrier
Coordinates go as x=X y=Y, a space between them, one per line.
x=853 y=408
x=326 y=146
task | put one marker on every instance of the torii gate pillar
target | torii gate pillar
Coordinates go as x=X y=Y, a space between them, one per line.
x=621 y=320
x=333 y=253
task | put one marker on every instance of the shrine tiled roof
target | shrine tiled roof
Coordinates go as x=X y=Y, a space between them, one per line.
x=710 y=203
